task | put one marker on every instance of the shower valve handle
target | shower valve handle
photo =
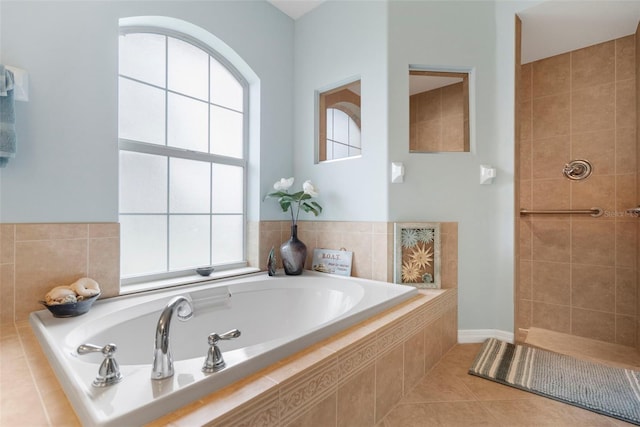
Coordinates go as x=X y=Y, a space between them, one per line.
x=109 y=371
x=214 y=361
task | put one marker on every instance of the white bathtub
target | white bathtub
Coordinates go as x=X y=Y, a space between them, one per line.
x=277 y=317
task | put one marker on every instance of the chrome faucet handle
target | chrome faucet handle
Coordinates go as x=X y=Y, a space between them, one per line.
x=109 y=371
x=214 y=361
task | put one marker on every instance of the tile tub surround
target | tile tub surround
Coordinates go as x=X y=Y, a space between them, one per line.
x=37 y=257
x=353 y=378
x=371 y=244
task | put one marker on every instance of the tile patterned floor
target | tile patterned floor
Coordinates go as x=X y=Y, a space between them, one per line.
x=448 y=396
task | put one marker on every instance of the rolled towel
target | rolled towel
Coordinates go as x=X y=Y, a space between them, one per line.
x=7 y=117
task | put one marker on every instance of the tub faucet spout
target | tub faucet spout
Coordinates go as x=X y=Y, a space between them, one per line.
x=162 y=360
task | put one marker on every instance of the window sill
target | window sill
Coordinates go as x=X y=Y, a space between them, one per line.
x=185 y=280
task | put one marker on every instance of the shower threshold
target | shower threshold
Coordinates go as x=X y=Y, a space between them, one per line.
x=584 y=348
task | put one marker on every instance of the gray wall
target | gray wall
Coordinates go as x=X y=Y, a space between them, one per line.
x=334 y=42
x=446 y=186
x=66 y=169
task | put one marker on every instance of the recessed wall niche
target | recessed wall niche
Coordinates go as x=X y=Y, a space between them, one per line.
x=339 y=124
x=438 y=111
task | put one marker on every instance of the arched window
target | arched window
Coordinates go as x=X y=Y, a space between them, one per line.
x=343 y=134
x=182 y=138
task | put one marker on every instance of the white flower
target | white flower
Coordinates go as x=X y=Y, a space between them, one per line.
x=310 y=189
x=284 y=184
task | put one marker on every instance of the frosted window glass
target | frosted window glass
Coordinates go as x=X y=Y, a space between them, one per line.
x=142 y=57
x=141 y=112
x=329 y=149
x=354 y=151
x=189 y=241
x=189 y=186
x=143 y=244
x=226 y=242
x=340 y=151
x=227 y=189
x=329 y=123
x=143 y=183
x=188 y=69
x=187 y=123
x=340 y=126
x=226 y=132
x=354 y=133
x=225 y=89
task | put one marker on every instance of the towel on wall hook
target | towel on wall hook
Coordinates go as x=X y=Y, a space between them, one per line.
x=7 y=117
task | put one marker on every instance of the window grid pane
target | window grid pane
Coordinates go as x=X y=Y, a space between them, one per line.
x=343 y=135
x=173 y=104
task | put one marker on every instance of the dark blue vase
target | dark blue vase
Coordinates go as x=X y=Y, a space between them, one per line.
x=293 y=253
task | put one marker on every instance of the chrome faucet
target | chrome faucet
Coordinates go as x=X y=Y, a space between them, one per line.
x=162 y=360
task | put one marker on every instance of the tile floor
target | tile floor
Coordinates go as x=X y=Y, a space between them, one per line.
x=448 y=396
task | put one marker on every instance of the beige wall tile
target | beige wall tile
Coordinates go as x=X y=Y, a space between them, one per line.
x=44 y=264
x=429 y=135
x=452 y=100
x=593 y=324
x=551 y=116
x=453 y=133
x=551 y=76
x=626 y=330
x=626 y=243
x=414 y=368
x=625 y=104
x=625 y=194
x=551 y=241
x=626 y=291
x=549 y=156
x=389 y=381
x=429 y=106
x=322 y=414
x=526 y=161
x=526 y=195
x=526 y=239
x=524 y=284
x=593 y=65
x=526 y=83
x=7 y=243
x=7 y=294
x=550 y=194
x=356 y=400
x=526 y=120
x=524 y=314
x=595 y=191
x=111 y=229
x=625 y=58
x=593 y=287
x=593 y=108
x=626 y=151
x=597 y=147
x=432 y=344
x=550 y=316
x=51 y=231
x=104 y=265
x=593 y=242
x=551 y=282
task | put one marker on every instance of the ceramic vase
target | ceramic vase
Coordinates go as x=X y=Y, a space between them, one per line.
x=293 y=253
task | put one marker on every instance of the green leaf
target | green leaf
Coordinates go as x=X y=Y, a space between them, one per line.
x=318 y=207
x=285 y=204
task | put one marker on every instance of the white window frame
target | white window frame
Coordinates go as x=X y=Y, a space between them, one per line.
x=175 y=152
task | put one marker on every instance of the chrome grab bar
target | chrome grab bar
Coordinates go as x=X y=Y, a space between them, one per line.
x=594 y=212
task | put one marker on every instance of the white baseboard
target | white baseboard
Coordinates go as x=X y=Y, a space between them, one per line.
x=468 y=336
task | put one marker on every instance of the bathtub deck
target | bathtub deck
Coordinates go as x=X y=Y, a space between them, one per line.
x=378 y=361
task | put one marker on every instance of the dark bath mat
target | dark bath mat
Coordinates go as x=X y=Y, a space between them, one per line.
x=610 y=391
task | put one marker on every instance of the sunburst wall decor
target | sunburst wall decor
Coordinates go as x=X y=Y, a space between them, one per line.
x=417 y=254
